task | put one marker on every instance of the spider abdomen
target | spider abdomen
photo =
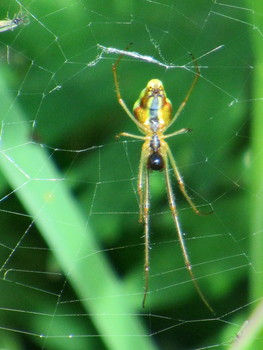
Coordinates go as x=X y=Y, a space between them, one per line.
x=155 y=161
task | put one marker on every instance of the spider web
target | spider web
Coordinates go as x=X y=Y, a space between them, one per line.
x=72 y=250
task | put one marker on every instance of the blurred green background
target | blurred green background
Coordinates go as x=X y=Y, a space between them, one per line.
x=72 y=250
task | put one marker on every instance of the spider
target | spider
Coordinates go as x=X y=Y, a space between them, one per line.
x=152 y=113
x=11 y=24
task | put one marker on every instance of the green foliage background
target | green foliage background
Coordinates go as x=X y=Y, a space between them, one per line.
x=78 y=238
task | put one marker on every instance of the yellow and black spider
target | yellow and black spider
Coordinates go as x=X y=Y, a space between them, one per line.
x=152 y=113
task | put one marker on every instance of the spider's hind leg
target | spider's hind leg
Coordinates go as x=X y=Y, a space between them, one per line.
x=179 y=231
x=181 y=184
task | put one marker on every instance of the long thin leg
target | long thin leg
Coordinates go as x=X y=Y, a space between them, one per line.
x=182 y=105
x=178 y=132
x=142 y=166
x=126 y=134
x=142 y=169
x=120 y=100
x=180 y=237
x=146 y=208
x=181 y=183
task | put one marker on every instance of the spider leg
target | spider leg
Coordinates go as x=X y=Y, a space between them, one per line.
x=120 y=100
x=140 y=184
x=185 y=100
x=146 y=208
x=178 y=132
x=142 y=166
x=181 y=183
x=180 y=236
x=141 y=175
x=144 y=202
x=144 y=198
x=126 y=134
